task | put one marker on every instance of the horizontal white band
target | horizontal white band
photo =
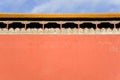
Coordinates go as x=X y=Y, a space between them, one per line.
x=60 y=31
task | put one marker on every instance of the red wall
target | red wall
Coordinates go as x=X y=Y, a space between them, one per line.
x=59 y=57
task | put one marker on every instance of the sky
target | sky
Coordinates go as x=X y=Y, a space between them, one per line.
x=59 y=6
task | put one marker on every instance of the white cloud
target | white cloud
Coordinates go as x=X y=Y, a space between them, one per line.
x=77 y=6
x=59 y=6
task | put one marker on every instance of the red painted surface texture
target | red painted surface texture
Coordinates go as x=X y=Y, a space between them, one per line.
x=59 y=57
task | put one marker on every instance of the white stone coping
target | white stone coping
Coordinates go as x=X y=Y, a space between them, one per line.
x=60 y=31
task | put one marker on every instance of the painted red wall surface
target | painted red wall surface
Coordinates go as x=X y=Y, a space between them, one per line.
x=59 y=57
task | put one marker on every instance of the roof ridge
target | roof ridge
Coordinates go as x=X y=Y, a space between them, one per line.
x=59 y=15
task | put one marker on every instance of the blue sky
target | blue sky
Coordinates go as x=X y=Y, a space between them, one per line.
x=59 y=6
